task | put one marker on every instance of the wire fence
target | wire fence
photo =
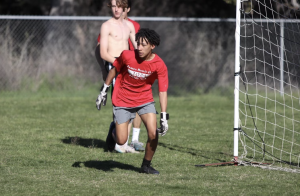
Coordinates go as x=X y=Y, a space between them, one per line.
x=199 y=52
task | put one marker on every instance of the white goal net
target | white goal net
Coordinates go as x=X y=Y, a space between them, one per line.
x=269 y=77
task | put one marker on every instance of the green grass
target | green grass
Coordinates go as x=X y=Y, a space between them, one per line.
x=52 y=143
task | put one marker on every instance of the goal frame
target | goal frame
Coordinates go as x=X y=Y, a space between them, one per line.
x=236 y=127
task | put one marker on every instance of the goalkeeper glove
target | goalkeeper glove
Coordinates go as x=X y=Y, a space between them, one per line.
x=102 y=97
x=164 y=117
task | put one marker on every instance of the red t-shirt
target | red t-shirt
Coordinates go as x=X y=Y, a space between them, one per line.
x=133 y=84
x=136 y=28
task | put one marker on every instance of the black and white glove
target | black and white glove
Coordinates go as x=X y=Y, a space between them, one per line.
x=164 y=117
x=102 y=97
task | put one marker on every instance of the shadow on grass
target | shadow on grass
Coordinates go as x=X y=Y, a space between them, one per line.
x=106 y=166
x=213 y=156
x=197 y=152
x=85 y=142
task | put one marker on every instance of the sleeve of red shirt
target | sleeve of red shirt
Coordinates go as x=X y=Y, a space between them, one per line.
x=119 y=62
x=99 y=37
x=162 y=76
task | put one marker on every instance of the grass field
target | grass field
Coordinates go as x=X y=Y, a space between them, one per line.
x=53 y=143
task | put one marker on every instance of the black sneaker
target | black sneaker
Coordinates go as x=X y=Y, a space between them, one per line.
x=148 y=170
x=110 y=142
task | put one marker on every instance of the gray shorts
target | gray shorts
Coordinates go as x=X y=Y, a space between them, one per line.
x=123 y=114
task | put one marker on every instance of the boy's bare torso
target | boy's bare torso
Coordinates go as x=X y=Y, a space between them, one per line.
x=118 y=34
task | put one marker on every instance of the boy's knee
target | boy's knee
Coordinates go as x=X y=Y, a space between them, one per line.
x=152 y=136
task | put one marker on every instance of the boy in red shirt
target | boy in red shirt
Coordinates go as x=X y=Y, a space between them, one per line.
x=137 y=72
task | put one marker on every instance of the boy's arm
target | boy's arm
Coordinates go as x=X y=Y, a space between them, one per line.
x=104 y=31
x=164 y=116
x=102 y=97
x=111 y=75
x=132 y=34
x=163 y=99
x=163 y=83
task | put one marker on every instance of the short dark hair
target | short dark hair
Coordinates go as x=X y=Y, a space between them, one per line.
x=129 y=3
x=150 y=36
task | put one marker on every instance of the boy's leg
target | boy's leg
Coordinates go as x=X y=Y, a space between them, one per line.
x=138 y=146
x=125 y=148
x=117 y=134
x=129 y=127
x=122 y=116
x=136 y=128
x=121 y=135
x=149 y=119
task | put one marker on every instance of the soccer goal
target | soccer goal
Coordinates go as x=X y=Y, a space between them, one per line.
x=267 y=79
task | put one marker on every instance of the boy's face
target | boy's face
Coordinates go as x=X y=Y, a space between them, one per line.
x=125 y=13
x=144 y=48
x=117 y=11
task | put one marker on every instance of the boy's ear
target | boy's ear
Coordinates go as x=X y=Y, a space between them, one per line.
x=128 y=10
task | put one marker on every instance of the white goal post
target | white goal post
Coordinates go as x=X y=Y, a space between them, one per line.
x=267 y=79
x=236 y=82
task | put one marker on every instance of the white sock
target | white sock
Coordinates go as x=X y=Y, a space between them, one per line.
x=135 y=134
x=124 y=145
x=117 y=145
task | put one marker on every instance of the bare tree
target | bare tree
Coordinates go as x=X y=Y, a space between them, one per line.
x=75 y=7
x=62 y=7
x=288 y=8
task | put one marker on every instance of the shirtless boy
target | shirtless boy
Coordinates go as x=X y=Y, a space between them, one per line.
x=114 y=39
